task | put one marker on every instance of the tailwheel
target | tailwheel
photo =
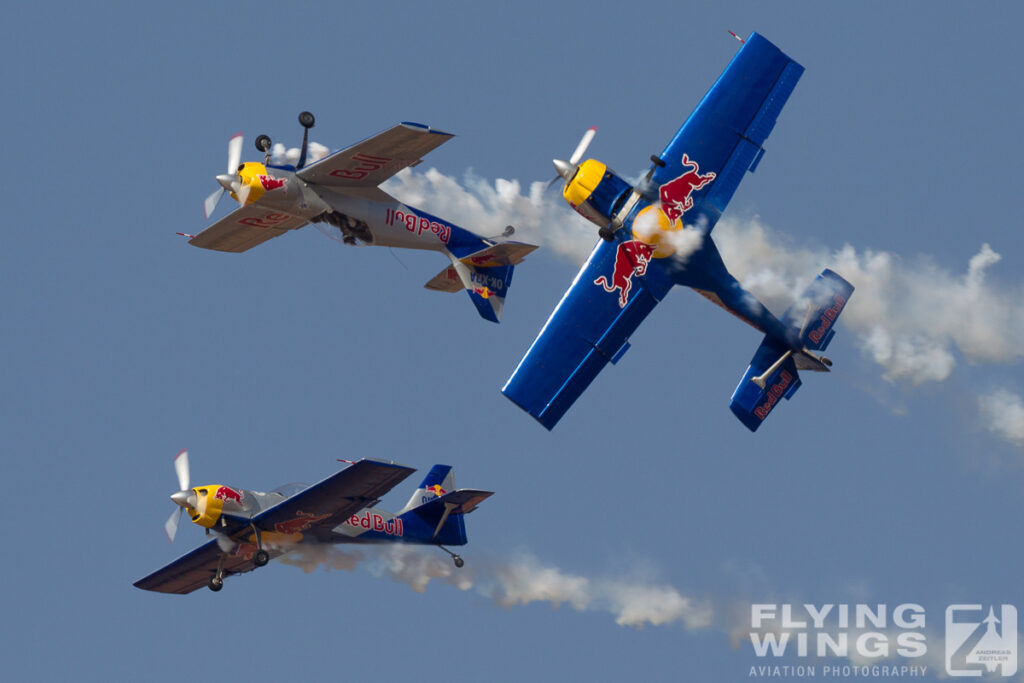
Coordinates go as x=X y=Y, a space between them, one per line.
x=261 y=558
x=215 y=583
x=459 y=562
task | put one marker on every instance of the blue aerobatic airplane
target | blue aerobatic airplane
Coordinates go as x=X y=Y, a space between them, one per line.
x=658 y=234
x=251 y=527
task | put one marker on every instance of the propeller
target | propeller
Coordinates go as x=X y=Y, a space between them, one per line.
x=184 y=497
x=567 y=169
x=229 y=180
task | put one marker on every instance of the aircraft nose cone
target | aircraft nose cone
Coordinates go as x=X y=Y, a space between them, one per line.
x=226 y=179
x=180 y=498
x=565 y=169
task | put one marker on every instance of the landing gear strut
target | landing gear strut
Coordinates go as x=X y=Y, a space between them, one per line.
x=216 y=581
x=261 y=557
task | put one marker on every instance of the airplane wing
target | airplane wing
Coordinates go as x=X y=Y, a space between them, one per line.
x=311 y=512
x=246 y=227
x=374 y=160
x=590 y=327
x=725 y=133
x=592 y=323
x=191 y=571
x=321 y=507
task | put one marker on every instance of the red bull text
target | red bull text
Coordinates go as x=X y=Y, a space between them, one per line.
x=675 y=194
x=773 y=394
x=418 y=224
x=631 y=258
x=371 y=521
x=270 y=220
x=828 y=317
x=366 y=163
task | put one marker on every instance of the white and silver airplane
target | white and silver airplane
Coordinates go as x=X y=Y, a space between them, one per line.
x=340 y=194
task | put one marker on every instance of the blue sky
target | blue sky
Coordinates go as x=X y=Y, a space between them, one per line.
x=896 y=479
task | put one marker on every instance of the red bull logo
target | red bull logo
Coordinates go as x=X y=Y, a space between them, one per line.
x=485 y=292
x=631 y=258
x=436 y=490
x=269 y=183
x=302 y=521
x=676 y=194
x=228 y=493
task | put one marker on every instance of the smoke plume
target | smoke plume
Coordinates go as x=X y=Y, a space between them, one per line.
x=1003 y=412
x=522 y=580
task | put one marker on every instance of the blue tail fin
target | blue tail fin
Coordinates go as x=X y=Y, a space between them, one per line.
x=439 y=481
x=434 y=513
x=485 y=274
x=772 y=374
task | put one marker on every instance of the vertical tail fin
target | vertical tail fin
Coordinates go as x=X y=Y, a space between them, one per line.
x=439 y=481
x=485 y=274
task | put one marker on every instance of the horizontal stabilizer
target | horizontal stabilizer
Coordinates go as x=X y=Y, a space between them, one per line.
x=772 y=376
x=446 y=281
x=462 y=502
x=504 y=254
x=443 y=515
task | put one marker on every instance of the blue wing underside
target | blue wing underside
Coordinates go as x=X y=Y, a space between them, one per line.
x=589 y=328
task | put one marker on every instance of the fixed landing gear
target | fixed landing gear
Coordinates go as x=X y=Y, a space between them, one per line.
x=261 y=558
x=459 y=562
x=216 y=581
x=606 y=233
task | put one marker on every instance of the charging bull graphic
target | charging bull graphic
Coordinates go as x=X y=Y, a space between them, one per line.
x=631 y=258
x=228 y=493
x=675 y=194
x=269 y=183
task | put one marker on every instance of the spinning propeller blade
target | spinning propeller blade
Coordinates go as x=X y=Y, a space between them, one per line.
x=181 y=497
x=234 y=157
x=234 y=152
x=181 y=469
x=582 y=147
x=210 y=203
x=567 y=169
x=171 y=525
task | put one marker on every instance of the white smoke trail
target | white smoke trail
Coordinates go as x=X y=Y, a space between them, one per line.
x=280 y=155
x=909 y=316
x=520 y=581
x=1003 y=412
x=539 y=217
